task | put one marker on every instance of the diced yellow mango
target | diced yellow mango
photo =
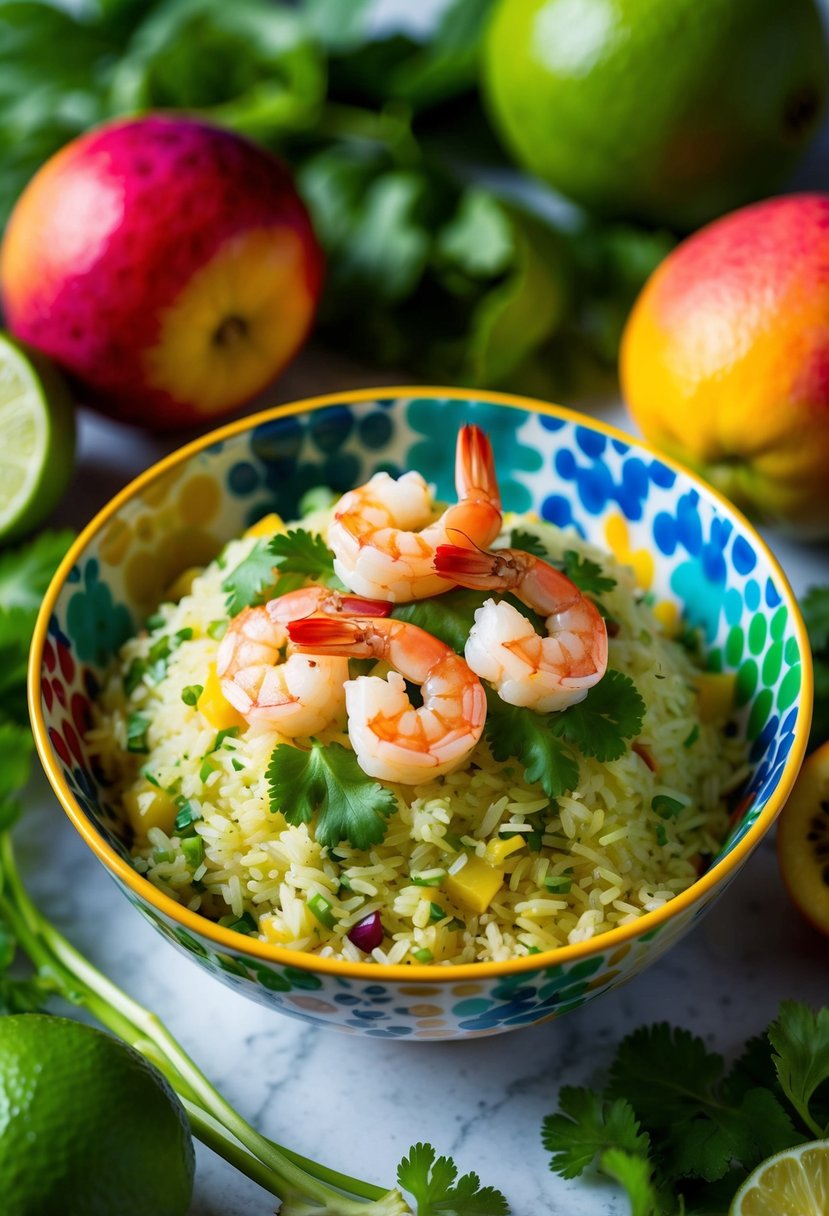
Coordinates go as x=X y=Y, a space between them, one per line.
x=474 y=885
x=715 y=694
x=667 y=613
x=213 y=705
x=182 y=585
x=497 y=851
x=268 y=525
x=149 y=807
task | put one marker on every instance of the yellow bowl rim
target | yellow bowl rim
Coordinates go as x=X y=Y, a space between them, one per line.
x=417 y=973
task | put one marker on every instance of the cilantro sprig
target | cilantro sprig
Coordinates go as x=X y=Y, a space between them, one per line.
x=680 y=1132
x=327 y=781
x=437 y=1189
x=274 y=567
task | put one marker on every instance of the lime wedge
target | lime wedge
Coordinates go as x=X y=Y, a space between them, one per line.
x=37 y=439
x=794 y=1183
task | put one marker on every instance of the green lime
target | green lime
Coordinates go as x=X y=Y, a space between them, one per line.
x=667 y=111
x=87 y=1126
x=37 y=439
x=793 y=1183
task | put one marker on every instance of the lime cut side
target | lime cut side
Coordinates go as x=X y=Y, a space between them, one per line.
x=793 y=1183
x=37 y=439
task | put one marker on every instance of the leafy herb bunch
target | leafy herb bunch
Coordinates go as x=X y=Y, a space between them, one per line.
x=441 y=258
x=681 y=1134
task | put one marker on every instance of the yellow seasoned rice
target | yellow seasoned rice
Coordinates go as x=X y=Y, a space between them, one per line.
x=620 y=858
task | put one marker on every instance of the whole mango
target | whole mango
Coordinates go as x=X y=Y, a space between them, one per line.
x=168 y=266
x=725 y=359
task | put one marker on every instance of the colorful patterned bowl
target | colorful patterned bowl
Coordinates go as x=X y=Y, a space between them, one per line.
x=690 y=549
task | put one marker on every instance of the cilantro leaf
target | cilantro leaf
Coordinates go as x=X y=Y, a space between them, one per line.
x=800 y=1039
x=634 y=1173
x=253 y=581
x=434 y=1183
x=587 y=1125
x=528 y=542
x=612 y=712
x=534 y=740
x=586 y=574
x=26 y=571
x=448 y=617
x=328 y=781
x=815 y=608
x=666 y=1073
x=306 y=553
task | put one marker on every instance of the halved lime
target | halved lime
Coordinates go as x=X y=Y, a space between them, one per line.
x=37 y=438
x=792 y=1183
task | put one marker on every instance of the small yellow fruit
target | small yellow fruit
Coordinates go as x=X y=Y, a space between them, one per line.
x=213 y=705
x=475 y=885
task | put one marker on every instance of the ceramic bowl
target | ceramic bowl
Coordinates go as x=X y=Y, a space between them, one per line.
x=691 y=550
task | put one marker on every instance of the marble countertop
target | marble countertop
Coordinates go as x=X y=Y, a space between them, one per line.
x=357 y=1104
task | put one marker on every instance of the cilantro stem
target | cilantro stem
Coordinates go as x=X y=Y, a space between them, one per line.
x=213 y=1118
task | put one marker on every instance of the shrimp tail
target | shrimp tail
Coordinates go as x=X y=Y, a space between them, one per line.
x=469 y=567
x=329 y=635
x=355 y=606
x=475 y=467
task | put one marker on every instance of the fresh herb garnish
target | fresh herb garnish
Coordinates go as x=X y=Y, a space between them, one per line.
x=305 y=553
x=435 y=1184
x=191 y=692
x=599 y=726
x=677 y=1131
x=137 y=727
x=327 y=781
x=586 y=574
x=252 y=582
x=528 y=542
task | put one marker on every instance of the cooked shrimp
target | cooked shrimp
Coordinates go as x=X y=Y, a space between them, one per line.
x=546 y=673
x=384 y=534
x=295 y=694
x=393 y=740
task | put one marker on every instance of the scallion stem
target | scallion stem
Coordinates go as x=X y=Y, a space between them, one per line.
x=78 y=981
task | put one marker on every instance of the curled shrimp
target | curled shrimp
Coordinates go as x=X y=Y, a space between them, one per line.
x=393 y=740
x=384 y=534
x=544 y=673
x=294 y=693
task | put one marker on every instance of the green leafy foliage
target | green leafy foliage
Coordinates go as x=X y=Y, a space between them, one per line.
x=676 y=1130
x=327 y=781
x=611 y=713
x=513 y=730
x=305 y=553
x=815 y=608
x=437 y=1189
x=434 y=260
x=586 y=574
x=253 y=581
x=528 y=542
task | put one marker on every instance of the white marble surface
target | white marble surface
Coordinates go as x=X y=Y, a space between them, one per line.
x=358 y=1104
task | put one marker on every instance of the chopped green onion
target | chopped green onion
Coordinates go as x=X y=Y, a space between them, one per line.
x=238 y=765
x=661 y=834
x=155 y=621
x=558 y=884
x=148 y=776
x=666 y=807
x=692 y=737
x=193 y=849
x=137 y=727
x=217 y=630
x=453 y=841
x=345 y=882
x=182 y=635
x=240 y=924
x=534 y=841
x=134 y=676
x=423 y=956
x=160 y=649
x=191 y=693
x=185 y=819
x=533 y=950
x=208 y=766
x=163 y=855
x=429 y=878
x=232 y=732
x=436 y=912
x=322 y=910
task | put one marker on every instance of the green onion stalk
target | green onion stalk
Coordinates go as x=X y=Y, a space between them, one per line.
x=305 y=1187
